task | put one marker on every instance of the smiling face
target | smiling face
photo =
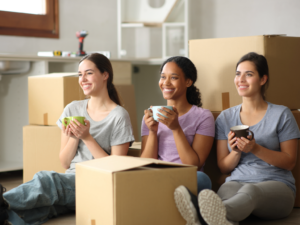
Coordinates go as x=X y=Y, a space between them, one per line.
x=247 y=80
x=173 y=83
x=91 y=80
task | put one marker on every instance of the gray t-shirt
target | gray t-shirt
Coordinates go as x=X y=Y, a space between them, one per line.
x=114 y=129
x=278 y=125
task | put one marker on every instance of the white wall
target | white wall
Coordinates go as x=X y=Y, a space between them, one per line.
x=235 y=18
x=209 y=18
x=98 y=17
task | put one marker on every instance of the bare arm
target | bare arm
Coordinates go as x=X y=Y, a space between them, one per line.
x=227 y=161
x=149 y=142
x=197 y=153
x=285 y=159
x=68 y=147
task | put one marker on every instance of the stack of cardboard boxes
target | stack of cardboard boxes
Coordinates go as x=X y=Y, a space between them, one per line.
x=216 y=61
x=47 y=97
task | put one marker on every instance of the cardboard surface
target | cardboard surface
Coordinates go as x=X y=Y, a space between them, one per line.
x=296 y=170
x=216 y=60
x=127 y=97
x=135 y=149
x=41 y=146
x=49 y=94
x=131 y=191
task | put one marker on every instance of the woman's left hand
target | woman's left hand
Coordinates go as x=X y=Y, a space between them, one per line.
x=80 y=131
x=245 y=145
x=171 y=119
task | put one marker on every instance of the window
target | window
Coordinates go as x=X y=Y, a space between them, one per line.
x=36 y=18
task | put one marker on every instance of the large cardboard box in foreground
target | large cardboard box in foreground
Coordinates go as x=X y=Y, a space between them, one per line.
x=41 y=146
x=216 y=60
x=122 y=190
x=49 y=94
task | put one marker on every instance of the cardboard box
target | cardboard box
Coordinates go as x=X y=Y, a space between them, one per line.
x=120 y=190
x=216 y=61
x=127 y=97
x=41 y=146
x=49 y=94
x=135 y=149
x=296 y=170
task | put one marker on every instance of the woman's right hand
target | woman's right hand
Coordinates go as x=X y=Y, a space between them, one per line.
x=150 y=122
x=232 y=141
x=67 y=131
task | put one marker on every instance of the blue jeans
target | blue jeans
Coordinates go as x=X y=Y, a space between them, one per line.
x=47 y=195
x=203 y=181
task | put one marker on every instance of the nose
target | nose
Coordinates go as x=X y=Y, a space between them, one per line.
x=167 y=81
x=242 y=77
x=83 y=77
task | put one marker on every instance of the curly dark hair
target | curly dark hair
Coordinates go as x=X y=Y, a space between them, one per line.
x=262 y=68
x=193 y=94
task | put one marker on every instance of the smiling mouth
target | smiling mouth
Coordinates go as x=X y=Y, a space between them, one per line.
x=168 y=90
x=242 y=87
x=86 y=86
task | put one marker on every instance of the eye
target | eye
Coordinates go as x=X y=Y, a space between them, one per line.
x=79 y=74
x=249 y=74
x=174 y=78
x=162 y=77
x=89 y=73
x=237 y=74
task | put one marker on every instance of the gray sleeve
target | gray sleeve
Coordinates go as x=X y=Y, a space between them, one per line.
x=122 y=132
x=287 y=126
x=220 y=128
x=65 y=113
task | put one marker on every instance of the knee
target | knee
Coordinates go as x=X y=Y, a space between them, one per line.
x=44 y=175
x=250 y=190
x=203 y=181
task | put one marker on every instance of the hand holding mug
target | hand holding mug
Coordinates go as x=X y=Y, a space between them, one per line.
x=169 y=117
x=67 y=131
x=79 y=130
x=149 y=120
x=242 y=140
x=246 y=145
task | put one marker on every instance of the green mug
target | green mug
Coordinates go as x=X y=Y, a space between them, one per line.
x=66 y=121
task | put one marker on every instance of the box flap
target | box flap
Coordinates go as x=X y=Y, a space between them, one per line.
x=56 y=75
x=120 y=163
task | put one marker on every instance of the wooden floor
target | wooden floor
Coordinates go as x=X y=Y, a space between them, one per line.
x=13 y=179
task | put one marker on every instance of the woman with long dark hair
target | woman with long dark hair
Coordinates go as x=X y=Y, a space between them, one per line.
x=107 y=131
x=186 y=133
x=261 y=182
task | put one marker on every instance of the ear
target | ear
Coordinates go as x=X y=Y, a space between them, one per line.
x=263 y=80
x=106 y=75
x=189 y=83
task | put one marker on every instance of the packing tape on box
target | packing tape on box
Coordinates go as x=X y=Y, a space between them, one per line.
x=225 y=100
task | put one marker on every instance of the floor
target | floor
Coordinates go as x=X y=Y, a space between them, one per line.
x=13 y=179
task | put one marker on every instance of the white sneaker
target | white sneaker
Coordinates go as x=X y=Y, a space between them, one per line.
x=184 y=203
x=211 y=208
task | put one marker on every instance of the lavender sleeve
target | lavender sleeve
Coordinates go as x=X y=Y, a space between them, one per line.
x=144 y=129
x=206 y=124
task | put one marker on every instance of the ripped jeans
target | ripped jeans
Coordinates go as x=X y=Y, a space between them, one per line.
x=47 y=195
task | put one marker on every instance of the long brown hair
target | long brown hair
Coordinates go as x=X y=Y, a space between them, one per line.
x=103 y=64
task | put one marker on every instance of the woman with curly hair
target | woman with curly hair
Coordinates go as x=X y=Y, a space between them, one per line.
x=186 y=133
